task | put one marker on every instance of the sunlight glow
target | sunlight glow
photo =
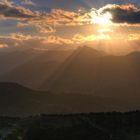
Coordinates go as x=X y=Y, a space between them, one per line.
x=101 y=19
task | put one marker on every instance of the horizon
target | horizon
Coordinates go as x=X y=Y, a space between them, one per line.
x=69 y=70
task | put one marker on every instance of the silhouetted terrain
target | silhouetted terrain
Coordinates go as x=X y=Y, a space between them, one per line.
x=84 y=70
x=91 y=72
x=83 y=80
x=16 y=100
x=30 y=68
x=93 y=126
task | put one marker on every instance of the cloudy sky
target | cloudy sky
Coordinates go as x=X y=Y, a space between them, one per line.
x=43 y=24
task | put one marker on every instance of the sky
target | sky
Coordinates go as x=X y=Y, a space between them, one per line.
x=111 y=25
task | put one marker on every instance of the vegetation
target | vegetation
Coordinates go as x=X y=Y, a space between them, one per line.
x=97 y=126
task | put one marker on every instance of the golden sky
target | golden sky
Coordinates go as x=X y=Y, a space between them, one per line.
x=112 y=26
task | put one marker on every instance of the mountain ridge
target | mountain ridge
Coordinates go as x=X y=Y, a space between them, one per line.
x=16 y=100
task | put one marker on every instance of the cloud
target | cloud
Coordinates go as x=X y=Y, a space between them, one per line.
x=19 y=40
x=28 y=2
x=56 y=40
x=49 y=21
x=129 y=14
x=133 y=37
x=2 y=45
x=6 y=2
x=41 y=27
x=9 y=10
x=79 y=39
x=20 y=36
x=100 y=41
x=55 y=17
x=30 y=41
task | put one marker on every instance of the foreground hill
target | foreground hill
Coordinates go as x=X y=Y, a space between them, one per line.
x=93 y=126
x=16 y=100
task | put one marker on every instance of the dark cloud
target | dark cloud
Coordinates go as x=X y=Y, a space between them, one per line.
x=8 y=10
x=123 y=13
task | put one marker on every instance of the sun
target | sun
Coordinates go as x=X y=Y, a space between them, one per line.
x=101 y=19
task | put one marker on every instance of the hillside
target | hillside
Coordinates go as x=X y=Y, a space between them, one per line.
x=88 y=71
x=97 y=126
x=84 y=70
x=16 y=100
x=83 y=80
x=30 y=68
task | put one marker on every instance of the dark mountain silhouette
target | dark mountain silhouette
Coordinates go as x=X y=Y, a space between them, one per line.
x=10 y=60
x=31 y=68
x=77 y=68
x=83 y=80
x=91 y=72
x=84 y=70
x=16 y=100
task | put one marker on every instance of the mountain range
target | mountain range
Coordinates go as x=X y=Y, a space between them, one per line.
x=16 y=100
x=80 y=80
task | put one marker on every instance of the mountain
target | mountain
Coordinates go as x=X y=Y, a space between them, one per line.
x=82 y=80
x=75 y=72
x=16 y=100
x=84 y=70
x=88 y=71
x=77 y=65
x=10 y=60
x=30 y=68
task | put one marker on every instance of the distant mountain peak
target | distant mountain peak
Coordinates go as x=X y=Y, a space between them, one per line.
x=85 y=50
